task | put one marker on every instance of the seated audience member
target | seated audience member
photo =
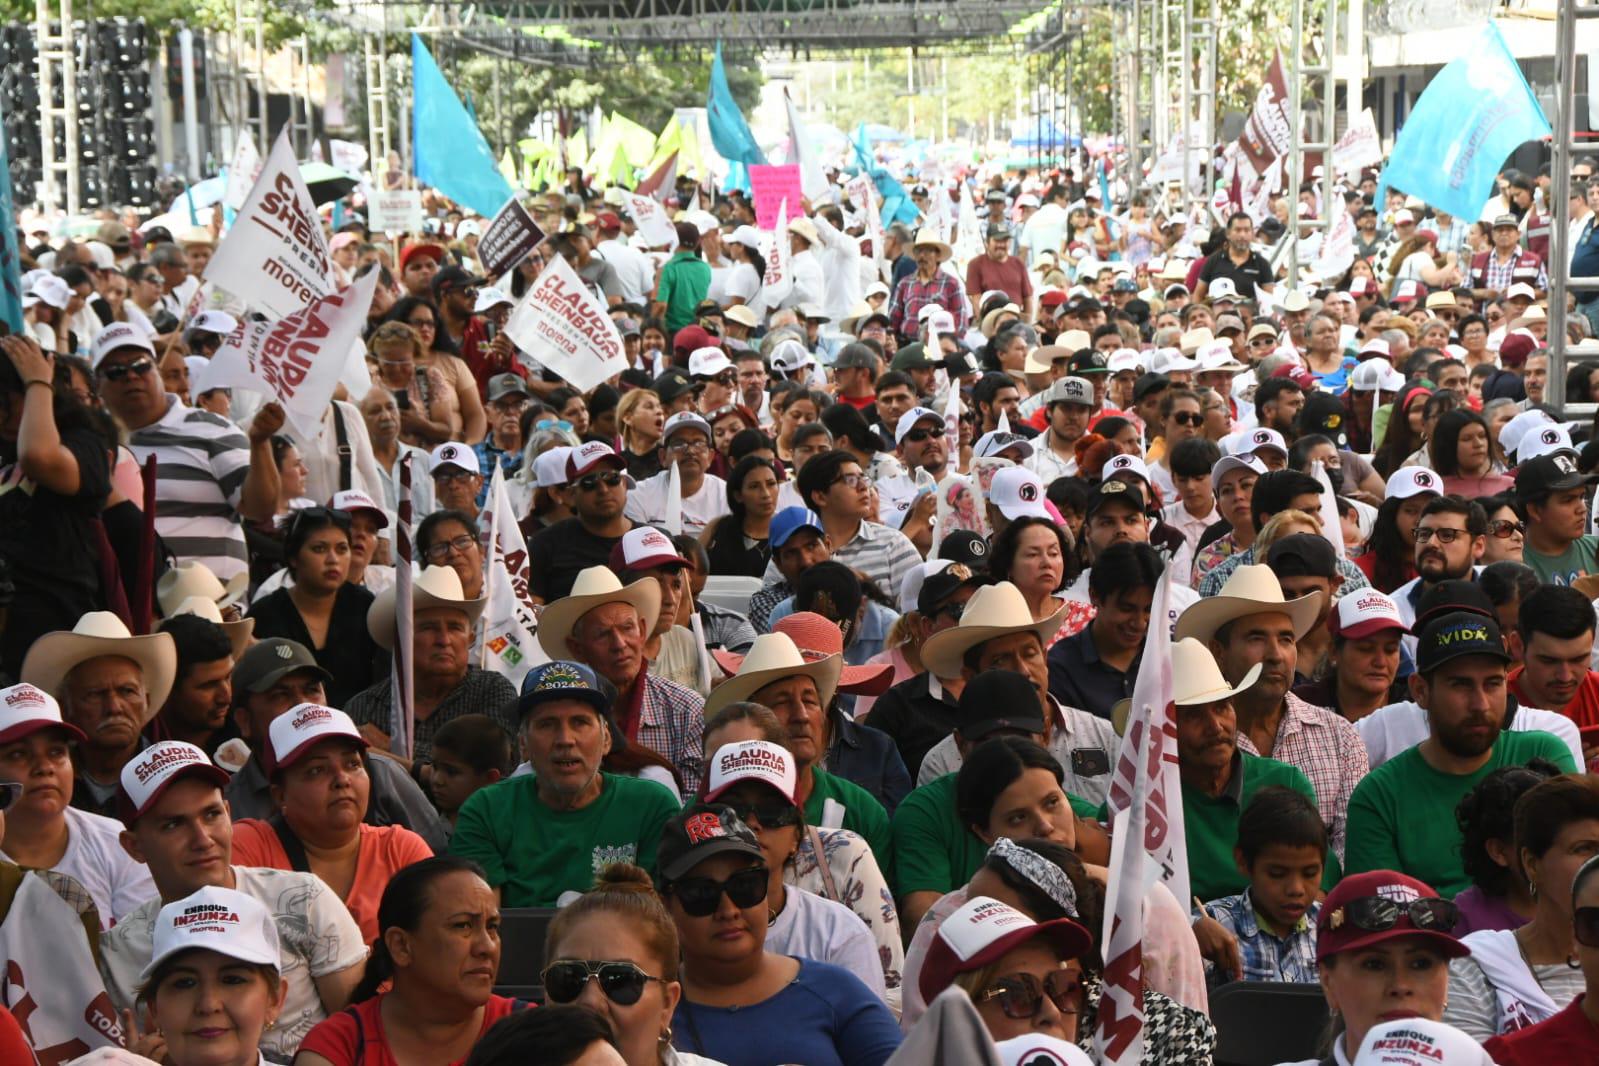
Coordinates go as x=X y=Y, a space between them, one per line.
x=798 y=542
x=213 y=989
x=1382 y=943
x=269 y=678
x=109 y=684
x=712 y=868
x=428 y=992
x=1571 y=1034
x=1094 y=669
x=40 y=831
x=541 y=835
x=178 y=826
x=1363 y=658
x=1500 y=896
x=598 y=486
x=670 y=648
x=1282 y=844
x=722 y=628
x=445 y=682
x=469 y=753
x=1519 y=977
x=1553 y=645
x=196 y=710
x=321 y=787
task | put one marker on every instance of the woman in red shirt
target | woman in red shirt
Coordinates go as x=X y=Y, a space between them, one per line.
x=439 y=955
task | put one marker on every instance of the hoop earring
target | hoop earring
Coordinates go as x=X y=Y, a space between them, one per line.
x=665 y=1039
x=1532 y=890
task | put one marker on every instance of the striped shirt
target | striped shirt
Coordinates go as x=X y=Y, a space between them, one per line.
x=885 y=555
x=201 y=463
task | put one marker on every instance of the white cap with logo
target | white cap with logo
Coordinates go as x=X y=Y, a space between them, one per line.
x=1018 y=493
x=217 y=919
x=751 y=760
x=296 y=731
x=150 y=773
x=460 y=456
x=118 y=335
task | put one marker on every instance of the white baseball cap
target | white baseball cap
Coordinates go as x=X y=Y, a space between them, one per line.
x=1403 y=217
x=1018 y=493
x=116 y=336
x=645 y=548
x=1521 y=288
x=51 y=290
x=214 y=322
x=460 y=456
x=1376 y=373
x=352 y=500
x=1511 y=432
x=1261 y=438
x=685 y=420
x=1410 y=481
x=908 y=420
x=1376 y=346
x=1544 y=440
x=748 y=236
x=590 y=454
x=1037 y=1049
x=751 y=760
x=151 y=772
x=995 y=443
x=1228 y=463
x=1124 y=359
x=549 y=469
x=488 y=297
x=1221 y=289
x=217 y=919
x=301 y=728
x=1125 y=464
x=941 y=321
x=1364 y=612
x=708 y=362
x=1166 y=360
x=910 y=587
x=790 y=356
x=25 y=709
x=1218 y=355
x=1419 y=1042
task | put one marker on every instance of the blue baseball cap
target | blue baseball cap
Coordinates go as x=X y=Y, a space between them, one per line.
x=791 y=520
x=562 y=680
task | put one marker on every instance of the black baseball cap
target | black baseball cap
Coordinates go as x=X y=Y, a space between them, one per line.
x=1087 y=361
x=268 y=661
x=1451 y=597
x=1303 y=555
x=454 y=277
x=699 y=833
x=998 y=700
x=671 y=384
x=1456 y=634
x=938 y=588
x=1323 y=413
x=965 y=546
x=1555 y=472
x=1148 y=383
x=1114 y=490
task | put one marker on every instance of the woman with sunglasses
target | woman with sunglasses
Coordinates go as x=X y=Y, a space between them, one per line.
x=434 y=352
x=428 y=410
x=741 y=1004
x=1384 y=942
x=322 y=610
x=438 y=955
x=739 y=543
x=1515 y=978
x=1572 y=1035
x=641 y=418
x=453 y=539
x=1507 y=529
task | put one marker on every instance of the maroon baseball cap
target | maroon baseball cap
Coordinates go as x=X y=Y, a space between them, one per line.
x=982 y=932
x=591 y=454
x=693 y=338
x=1337 y=929
x=644 y=548
x=1297 y=374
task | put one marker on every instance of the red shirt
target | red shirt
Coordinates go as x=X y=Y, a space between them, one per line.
x=354 y=1036
x=1584 y=706
x=1566 y=1037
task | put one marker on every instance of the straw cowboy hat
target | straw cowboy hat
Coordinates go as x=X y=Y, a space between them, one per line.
x=1249 y=590
x=771 y=658
x=1195 y=681
x=196 y=579
x=593 y=588
x=97 y=634
x=993 y=611
x=927 y=237
x=239 y=632
x=437 y=586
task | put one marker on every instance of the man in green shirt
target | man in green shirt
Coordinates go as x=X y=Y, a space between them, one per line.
x=550 y=832
x=1401 y=816
x=685 y=281
x=1554 y=494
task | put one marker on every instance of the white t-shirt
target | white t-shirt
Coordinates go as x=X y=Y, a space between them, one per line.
x=1389 y=730
x=95 y=859
x=647 y=503
x=316 y=937
x=815 y=928
x=742 y=283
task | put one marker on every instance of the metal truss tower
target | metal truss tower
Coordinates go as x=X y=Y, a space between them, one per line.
x=1303 y=75
x=1566 y=146
x=58 y=80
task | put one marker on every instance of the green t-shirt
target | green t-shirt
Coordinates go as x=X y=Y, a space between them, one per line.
x=933 y=852
x=1210 y=823
x=1402 y=814
x=1580 y=557
x=533 y=854
x=863 y=814
x=685 y=280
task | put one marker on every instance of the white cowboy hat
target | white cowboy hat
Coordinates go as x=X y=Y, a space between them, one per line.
x=196 y=579
x=1249 y=590
x=805 y=228
x=774 y=657
x=101 y=633
x=927 y=236
x=1196 y=680
x=436 y=586
x=239 y=632
x=593 y=588
x=993 y=611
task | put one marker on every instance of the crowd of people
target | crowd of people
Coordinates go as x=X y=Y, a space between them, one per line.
x=843 y=586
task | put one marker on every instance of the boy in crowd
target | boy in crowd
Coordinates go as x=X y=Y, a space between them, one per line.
x=469 y=753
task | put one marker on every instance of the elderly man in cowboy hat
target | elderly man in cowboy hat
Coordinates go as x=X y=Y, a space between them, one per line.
x=110 y=684
x=605 y=625
x=930 y=284
x=1254 y=632
x=445 y=682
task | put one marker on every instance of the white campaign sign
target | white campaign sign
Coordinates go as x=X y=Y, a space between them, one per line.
x=276 y=251
x=1359 y=146
x=242 y=171
x=297 y=360
x=779 y=279
x=650 y=218
x=509 y=623
x=561 y=324
x=396 y=211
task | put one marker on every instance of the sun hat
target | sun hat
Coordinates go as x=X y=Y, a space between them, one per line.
x=216 y=919
x=436 y=586
x=773 y=657
x=239 y=631
x=993 y=611
x=1197 y=680
x=929 y=238
x=1249 y=590
x=818 y=637
x=595 y=587
x=97 y=634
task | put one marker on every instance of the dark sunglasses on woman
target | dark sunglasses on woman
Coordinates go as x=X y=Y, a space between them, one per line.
x=1021 y=994
x=699 y=896
x=622 y=982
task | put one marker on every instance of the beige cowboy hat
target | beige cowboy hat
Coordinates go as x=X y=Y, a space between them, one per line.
x=927 y=237
x=97 y=634
x=772 y=658
x=852 y=321
x=993 y=611
x=991 y=320
x=196 y=579
x=1195 y=681
x=593 y=588
x=239 y=632
x=1249 y=590
x=1041 y=360
x=805 y=228
x=436 y=586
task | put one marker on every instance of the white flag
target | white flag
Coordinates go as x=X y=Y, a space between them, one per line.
x=813 y=183
x=863 y=194
x=1331 y=526
x=969 y=235
x=650 y=218
x=242 y=171
x=275 y=253
x=673 y=518
x=779 y=279
x=298 y=359
x=509 y=624
x=1360 y=146
x=1337 y=251
x=565 y=327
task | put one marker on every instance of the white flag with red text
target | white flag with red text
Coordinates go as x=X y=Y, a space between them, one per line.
x=779 y=278
x=565 y=327
x=509 y=623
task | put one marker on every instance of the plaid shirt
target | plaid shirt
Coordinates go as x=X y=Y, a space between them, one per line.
x=1216 y=576
x=1266 y=956
x=1498 y=276
x=1452 y=238
x=1328 y=748
x=671 y=723
x=772 y=593
x=912 y=294
x=480 y=692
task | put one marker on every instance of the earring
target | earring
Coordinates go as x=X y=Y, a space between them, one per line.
x=666 y=1037
x=1532 y=890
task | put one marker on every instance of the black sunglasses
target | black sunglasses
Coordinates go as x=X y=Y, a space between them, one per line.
x=138 y=367
x=1375 y=914
x=1504 y=529
x=1021 y=994
x=916 y=436
x=767 y=815
x=700 y=895
x=1188 y=418
x=589 y=482
x=622 y=982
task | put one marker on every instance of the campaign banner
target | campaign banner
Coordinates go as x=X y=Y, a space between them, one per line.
x=275 y=251
x=244 y=168
x=509 y=621
x=395 y=211
x=772 y=185
x=297 y=360
x=779 y=277
x=1359 y=146
x=511 y=236
x=563 y=325
x=649 y=216
x=1248 y=161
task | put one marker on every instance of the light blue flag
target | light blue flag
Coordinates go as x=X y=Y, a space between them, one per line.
x=1472 y=115
x=451 y=154
x=730 y=134
x=897 y=204
x=10 y=260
